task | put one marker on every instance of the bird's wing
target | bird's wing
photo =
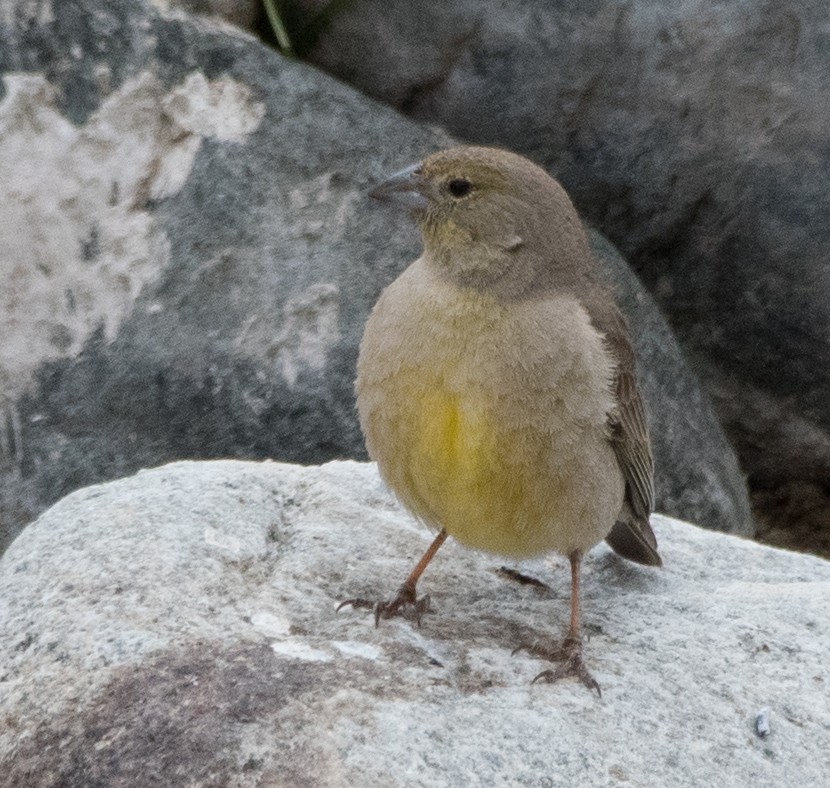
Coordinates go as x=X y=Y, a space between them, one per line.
x=631 y=535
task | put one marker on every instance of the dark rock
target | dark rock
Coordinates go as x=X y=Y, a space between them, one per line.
x=694 y=135
x=708 y=482
x=189 y=257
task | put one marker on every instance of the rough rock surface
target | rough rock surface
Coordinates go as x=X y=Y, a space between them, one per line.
x=180 y=625
x=188 y=257
x=695 y=136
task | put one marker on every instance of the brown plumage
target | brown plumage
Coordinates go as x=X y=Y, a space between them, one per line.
x=496 y=383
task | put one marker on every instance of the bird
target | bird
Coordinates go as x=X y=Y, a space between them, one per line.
x=496 y=385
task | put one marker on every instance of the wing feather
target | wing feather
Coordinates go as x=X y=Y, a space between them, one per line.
x=631 y=535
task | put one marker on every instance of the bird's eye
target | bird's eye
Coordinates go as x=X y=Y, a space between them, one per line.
x=459 y=187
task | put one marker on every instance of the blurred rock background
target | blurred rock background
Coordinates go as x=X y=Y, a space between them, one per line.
x=188 y=256
x=694 y=135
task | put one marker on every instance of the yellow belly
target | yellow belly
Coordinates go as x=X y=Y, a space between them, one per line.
x=453 y=469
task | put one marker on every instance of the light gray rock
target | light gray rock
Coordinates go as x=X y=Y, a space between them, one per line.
x=695 y=136
x=179 y=627
x=188 y=258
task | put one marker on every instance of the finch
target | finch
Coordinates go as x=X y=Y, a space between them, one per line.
x=496 y=384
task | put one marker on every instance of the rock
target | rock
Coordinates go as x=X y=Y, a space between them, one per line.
x=242 y=13
x=190 y=257
x=694 y=135
x=201 y=257
x=180 y=625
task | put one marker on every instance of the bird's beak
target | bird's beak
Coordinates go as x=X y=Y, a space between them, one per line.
x=405 y=188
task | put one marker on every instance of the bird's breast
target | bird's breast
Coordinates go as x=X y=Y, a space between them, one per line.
x=486 y=420
x=452 y=455
x=453 y=435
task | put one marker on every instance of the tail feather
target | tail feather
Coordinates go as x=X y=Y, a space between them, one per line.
x=634 y=540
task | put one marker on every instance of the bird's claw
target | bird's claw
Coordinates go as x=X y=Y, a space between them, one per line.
x=405 y=598
x=357 y=602
x=569 y=655
x=402 y=600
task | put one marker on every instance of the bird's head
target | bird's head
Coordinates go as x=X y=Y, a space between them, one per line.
x=490 y=219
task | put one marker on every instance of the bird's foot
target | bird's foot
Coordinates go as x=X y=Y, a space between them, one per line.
x=405 y=600
x=569 y=657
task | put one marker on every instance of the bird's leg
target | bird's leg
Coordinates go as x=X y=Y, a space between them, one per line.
x=406 y=595
x=569 y=654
